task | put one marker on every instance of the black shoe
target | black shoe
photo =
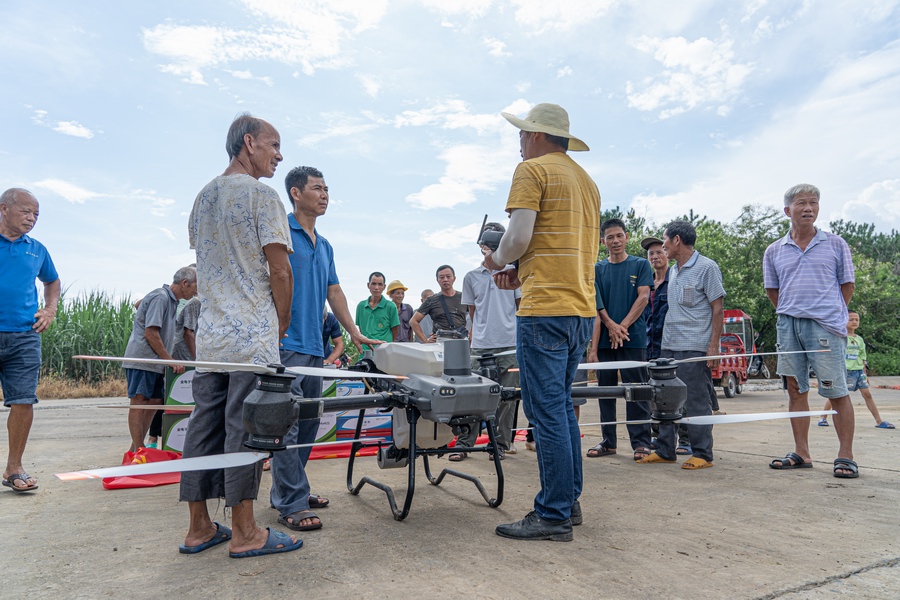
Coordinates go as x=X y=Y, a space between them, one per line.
x=577 y=518
x=532 y=527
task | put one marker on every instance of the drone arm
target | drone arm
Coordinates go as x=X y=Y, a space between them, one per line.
x=330 y=405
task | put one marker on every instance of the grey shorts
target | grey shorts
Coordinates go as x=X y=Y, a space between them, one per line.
x=830 y=367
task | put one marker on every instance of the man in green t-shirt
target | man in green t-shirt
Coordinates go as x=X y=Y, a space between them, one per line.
x=377 y=316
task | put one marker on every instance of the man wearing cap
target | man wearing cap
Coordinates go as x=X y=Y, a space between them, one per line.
x=377 y=316
x=315 y=280
x=554 y=233
x=21 y=323
x=655 y=315
x=397 y=291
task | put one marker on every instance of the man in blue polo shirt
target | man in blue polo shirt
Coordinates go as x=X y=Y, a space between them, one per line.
x=21 y=323
x=315 y=280
x=622 y=285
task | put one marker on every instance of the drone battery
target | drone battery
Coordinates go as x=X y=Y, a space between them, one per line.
x=399 y=358
x=428 y=435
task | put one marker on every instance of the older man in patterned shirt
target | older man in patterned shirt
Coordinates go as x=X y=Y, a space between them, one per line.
x=239 y=228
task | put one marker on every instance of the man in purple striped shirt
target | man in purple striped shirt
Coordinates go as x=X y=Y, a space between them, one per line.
x=808 y=276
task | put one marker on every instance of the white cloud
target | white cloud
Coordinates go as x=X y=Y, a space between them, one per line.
x=834 y=140
x=471 y=8
x=523 y=86
x=249 y=75
x=452 y=238
x=73 y=128
x=495 y=47
x=538 y=16
x=371 y=84
x=564 y=72
x=69 y=191
x=307 y=33
x=338 y=124
x=878 y=203
x=695 y=73
x=168 y=233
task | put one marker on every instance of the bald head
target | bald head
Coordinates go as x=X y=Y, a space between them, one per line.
x=13 y=196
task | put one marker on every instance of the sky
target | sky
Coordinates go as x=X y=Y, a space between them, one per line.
x=115 y=115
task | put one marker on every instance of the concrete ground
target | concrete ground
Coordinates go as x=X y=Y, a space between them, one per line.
x=738 y=530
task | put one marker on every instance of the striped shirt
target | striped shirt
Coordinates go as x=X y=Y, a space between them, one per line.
x=557 y=269
x=692 y=289
x=809 y=281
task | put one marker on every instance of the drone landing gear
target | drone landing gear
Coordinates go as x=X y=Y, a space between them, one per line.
x=412 y=416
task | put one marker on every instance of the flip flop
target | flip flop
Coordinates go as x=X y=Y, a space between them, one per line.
x=684 y=450
x=23 y=477
x=653 y=457
x=223 y=534
x=292 y=521
x=823 y=422
x=458 y=457
x=785 y=463
x=318 y=501
x=640 y=452
x=275 y=539
x=885 y=425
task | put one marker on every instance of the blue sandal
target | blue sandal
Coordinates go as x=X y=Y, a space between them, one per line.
x=276 y=538
x=885 y=425
x=223 y=534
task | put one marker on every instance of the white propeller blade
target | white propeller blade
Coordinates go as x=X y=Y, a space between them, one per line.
x=198 y=463
x=225 y=366
x=613 y=364
x=172 y=408
x=748 y=417
x=705 y=358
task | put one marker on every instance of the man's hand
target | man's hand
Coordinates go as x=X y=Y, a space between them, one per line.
x=489 y=261
x=359 y=339
x=507 y=279
x=592 y=356
x=177 y=369
x=713 y=350
x=43 y=317
x=618 y=335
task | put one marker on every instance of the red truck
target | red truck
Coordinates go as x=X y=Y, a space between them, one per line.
x=737 y=338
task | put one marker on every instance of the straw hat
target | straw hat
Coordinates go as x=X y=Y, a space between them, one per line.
x=551 y=119
x=396 y=285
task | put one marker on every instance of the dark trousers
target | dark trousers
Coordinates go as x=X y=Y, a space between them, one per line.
x=634 y=411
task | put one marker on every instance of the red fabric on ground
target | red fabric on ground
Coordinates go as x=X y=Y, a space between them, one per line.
x=144 y=455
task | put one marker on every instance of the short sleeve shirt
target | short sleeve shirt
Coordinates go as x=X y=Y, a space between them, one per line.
x=809 y=281
x=314 y=272
x=157 y=309
x=616 y=287
x=494 y=325
x=856 y=353
x=186 y=319
x=692 y=289
x=21 y=262
x=433 y=308
x=557 y=269
x=233 y=218
x=377 y=323
x=405 y=313
x=331 y=329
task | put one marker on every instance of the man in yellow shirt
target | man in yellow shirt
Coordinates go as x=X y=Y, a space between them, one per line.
x=554 y=235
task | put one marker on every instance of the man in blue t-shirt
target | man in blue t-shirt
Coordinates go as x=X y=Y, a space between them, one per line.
x=315 y=280
x=332 y=338
x=622 y=284
x=21 y=323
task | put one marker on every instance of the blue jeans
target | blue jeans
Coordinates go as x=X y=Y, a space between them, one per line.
x=548 y=350
x=20 y=364
x=290 y=486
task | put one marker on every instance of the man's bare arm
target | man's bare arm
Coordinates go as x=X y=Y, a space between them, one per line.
x=281 y=278
x=847 y=290
x=637 y=309
x=515 y=241
x=417 y=328
x=338 y=344
x=772 y=295
x=190 y=340
x=718 y=314
x=151 y=334
x=45 y=315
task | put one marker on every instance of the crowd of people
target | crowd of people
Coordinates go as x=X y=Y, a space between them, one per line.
x=258 y=292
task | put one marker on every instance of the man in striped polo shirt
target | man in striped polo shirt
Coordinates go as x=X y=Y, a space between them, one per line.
x=808 y=276
x=692 y=329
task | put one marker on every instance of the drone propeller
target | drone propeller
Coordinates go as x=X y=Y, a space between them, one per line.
x=225 y=366
x=197 y=463
x=749 y=417
x=172 y=408
x=633 y=364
